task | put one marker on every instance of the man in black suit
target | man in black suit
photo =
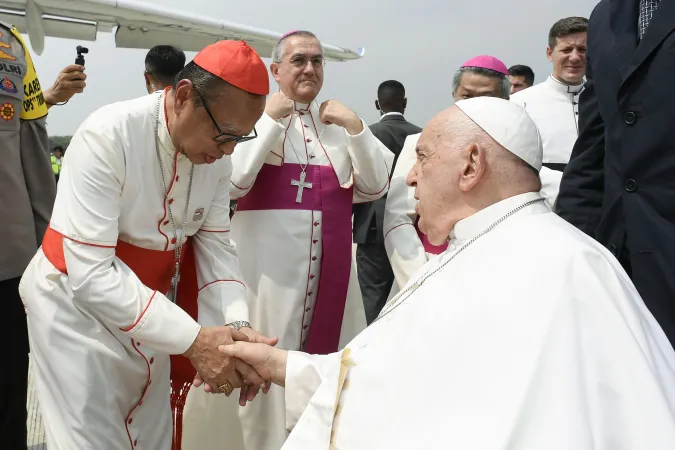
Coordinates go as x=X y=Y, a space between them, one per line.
x=619 y=186
x=372 y=264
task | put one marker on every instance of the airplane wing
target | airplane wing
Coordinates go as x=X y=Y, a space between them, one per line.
x=138 y=25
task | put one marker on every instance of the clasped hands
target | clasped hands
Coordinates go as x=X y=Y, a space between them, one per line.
x=211 y=354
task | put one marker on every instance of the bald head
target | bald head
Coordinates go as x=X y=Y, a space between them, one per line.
x=456 y=131
x=461 y=168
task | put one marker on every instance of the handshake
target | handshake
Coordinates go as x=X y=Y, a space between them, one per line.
x=251 y=365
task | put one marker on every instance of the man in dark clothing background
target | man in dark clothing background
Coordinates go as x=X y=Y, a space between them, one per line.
x=372 y=264
x=618 y=186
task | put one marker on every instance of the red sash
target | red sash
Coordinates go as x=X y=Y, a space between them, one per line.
x=273 y=190
x=154 y=268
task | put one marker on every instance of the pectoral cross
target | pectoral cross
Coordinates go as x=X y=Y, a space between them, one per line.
x=301 y=185
x=174 y=285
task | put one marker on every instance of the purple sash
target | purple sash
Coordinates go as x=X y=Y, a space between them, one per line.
x=428 y=246
x=273 y=190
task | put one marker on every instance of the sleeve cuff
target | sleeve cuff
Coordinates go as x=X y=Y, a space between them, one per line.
x=269 y=124
x=356 y=138
x=165 y=327
x=304 y=374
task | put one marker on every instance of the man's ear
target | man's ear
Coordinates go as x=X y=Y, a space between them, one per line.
x=274 y=70
x=405 y=103
x=377 y=105
x=182 y=95
x=549 y=54
x=475 y=163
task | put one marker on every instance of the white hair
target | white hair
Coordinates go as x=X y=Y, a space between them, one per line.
x=278 y=51
x=504 y=82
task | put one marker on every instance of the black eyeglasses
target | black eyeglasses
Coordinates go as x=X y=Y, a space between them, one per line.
x=223 y=137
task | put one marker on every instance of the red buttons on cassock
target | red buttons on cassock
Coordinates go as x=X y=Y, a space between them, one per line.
x=166 y=222
x=177 y=177
x=173 y=240
x=308 y=140
x=310 y=293
x=316 y=224
x=307 y=309
x=305 y=327
x=314 y=241
x=311 y=277
x=313 y=258
x=170 y=201
x=152 y=360
x=130 y=420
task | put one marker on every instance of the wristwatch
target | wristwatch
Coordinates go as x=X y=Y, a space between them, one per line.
x=239 y=324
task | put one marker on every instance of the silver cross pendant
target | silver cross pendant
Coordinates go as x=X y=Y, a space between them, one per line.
x=301 y=185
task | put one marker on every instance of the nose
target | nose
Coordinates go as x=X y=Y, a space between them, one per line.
x=575 y=55
x=411 y=179
x=227 y=148
x=308 y=68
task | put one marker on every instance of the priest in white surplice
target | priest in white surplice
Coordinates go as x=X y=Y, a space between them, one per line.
x=525 y=334
x=294 y=189
x=553 y=104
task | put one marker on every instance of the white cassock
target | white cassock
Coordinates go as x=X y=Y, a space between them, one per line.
x=407 y=248
x=284 y=246
x=553 y=106
x=101 y=328
x=532 y=338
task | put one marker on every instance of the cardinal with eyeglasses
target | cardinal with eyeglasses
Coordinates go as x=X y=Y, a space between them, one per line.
x=295 y=185
x=137 y=281
x=524 y=334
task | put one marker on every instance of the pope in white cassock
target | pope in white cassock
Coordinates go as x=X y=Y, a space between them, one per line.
x=525 y=334
x=294 y=187
x=137 y=268
x=553 y=104
x=407 y=247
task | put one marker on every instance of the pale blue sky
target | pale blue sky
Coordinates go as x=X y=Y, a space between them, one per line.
x=420 y=43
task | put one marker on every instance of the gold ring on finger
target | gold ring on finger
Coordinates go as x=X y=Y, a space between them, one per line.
x=226 y=388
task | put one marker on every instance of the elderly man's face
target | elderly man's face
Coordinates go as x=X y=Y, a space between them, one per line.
x=206 y=128
x=300 y=73
x=476 y=85
x=435 y=179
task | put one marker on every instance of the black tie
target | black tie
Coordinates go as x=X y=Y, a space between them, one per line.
x=647 y=8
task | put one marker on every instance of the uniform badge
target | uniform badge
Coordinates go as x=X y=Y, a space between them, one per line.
x=8 y=85
x=7 y=111
x=199 y=214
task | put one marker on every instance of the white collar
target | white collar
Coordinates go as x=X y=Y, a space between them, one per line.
x=471 y=226
x=302 y=107
x=559 y=86
x=393 y=113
